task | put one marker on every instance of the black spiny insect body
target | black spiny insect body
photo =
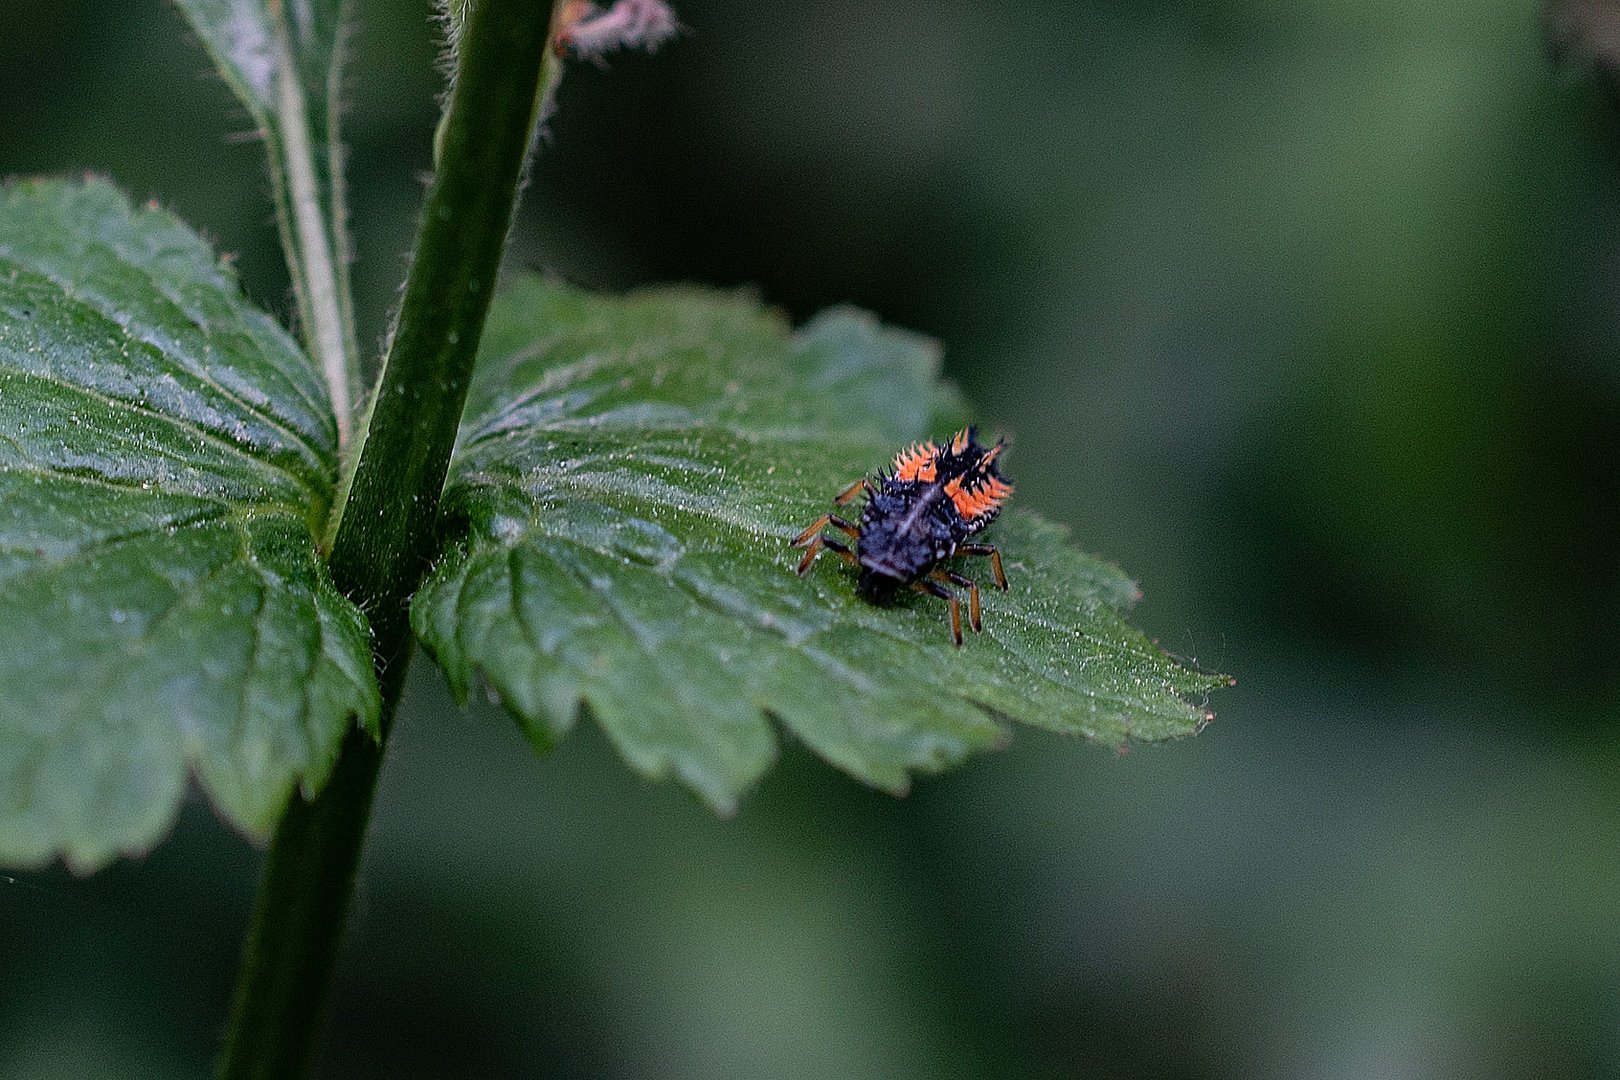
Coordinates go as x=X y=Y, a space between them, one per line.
x=919 y=513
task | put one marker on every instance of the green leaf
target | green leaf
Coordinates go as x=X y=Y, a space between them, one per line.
x=283 y=58
x=629 y=475
x=166 y=459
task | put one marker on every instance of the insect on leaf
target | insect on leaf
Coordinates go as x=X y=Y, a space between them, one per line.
x=167 y=456
x=629 y=474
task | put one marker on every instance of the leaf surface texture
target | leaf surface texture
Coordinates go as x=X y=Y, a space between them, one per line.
x=629 y=474
x=167 y=456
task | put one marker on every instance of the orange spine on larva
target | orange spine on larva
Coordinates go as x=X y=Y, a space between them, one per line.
x=984 y=495
x=916 y=463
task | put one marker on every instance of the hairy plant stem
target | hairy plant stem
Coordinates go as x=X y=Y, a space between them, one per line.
x=386 y=535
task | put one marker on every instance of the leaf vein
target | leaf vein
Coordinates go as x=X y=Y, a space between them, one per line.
x=171 y=357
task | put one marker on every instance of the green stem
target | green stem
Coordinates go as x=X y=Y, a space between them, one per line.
x=387 y=532
x=297 y=930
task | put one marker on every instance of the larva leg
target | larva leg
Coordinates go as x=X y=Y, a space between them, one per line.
x=995 y=560
x=842 y=550
x=972 y=587
x=821 y=523
x=847 y=496
x=934 y=588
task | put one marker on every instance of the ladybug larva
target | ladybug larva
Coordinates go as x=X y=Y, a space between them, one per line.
x=920 y=512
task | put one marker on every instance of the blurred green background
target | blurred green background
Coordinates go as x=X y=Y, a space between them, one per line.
x=1306 y=312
